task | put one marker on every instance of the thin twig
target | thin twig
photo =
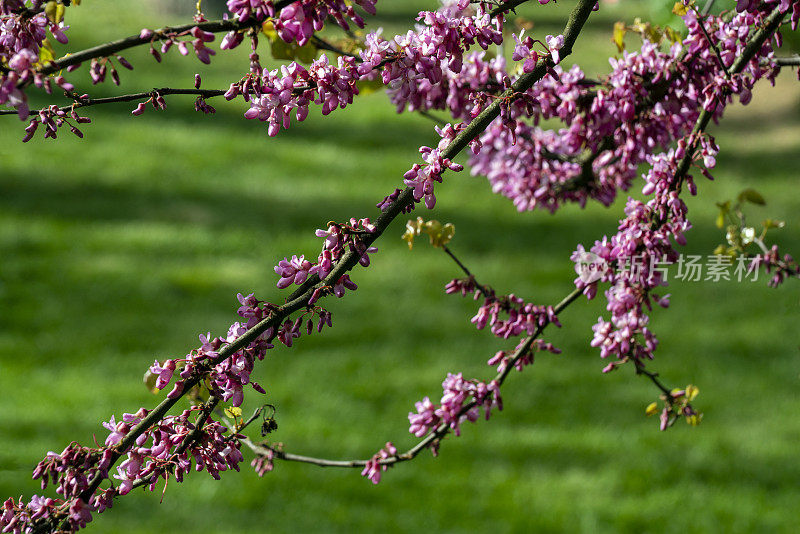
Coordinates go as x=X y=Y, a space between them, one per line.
x=438 y=433
x=322 y=44
x=771 y=24
x=485 y=291
x=430 y=116
x=640 y=370
x=707 y=8
x=714 y=47
x=163 y=91
x=792 y=61
x=107 y=49
x=509 y=5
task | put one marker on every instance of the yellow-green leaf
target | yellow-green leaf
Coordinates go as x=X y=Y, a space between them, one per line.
x=443 y=236
x=408 y=237
x=233 y=412
x=149 y=380
x=432 y=227
x=691 y=392
x=651 y=409
x=46 y=53
x=269 y=30
x=672 y=35
x=694 y=420
x=653 y=33
x=752 y=196
x=619 y=35
x=721 y=220
x=50 y=10
x=412 y=230
x=679 y=9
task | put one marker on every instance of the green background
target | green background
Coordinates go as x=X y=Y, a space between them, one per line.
x=121 y=248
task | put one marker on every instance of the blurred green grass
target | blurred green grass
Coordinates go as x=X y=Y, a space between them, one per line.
x=121 y=248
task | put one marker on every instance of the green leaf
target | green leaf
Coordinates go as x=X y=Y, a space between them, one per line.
x=283 y=50
x=366 y=87
x=306 y=53
x=149 y=380
x=50 y=10
x=46 y=53
x=724 y=208
x=721 y=220
x=752 y=196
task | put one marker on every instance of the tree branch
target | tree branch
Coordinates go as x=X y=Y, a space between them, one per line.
x=438 y=433
x=163 y=91
x=119 y=45
x=576 y=21
x=299 y=299
x=771 y=25
x=107 y=49
x=509 y=5
x=792 y=61
x=485 y=291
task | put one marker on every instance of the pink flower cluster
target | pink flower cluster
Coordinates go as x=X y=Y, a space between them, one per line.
x=522 y=317
x=779 y=266
x=374 y=468
x=754 y=5
x=263 y=464
x=72 y=470
x=22 y=38
x=164 y=450
x=280 y=92
x=294 y=271
x=411 y=65
x=19 y=516
x=524 y=50
x=298 y=21
x=53 y=118
x=339 y=238
x=646 y=235
x=502 y=359
x=644 y=238
x=461 y=401
x=422 y=178
x=102 y=66
x=651 y=98
x=230 y=375
x=198 y=43
x=414 y=64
